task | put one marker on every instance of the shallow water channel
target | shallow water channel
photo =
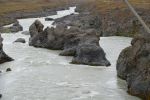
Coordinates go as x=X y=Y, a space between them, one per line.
x=41 y=74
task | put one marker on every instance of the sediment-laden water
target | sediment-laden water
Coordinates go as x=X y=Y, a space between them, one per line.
x=41 y=74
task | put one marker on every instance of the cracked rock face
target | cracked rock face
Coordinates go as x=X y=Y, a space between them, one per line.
x=83 y=45
x=3 y=56
x=133 y=65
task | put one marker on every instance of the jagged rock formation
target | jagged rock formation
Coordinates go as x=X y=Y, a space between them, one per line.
x=3 y=56
x=133 y=65
x=73 y=42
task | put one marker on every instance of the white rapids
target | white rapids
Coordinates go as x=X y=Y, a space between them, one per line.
x=41 y=74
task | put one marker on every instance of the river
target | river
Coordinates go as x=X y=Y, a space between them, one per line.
x=41 y=74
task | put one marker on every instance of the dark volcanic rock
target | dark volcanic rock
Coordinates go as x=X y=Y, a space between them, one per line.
x=16 y=27
x=49 y=19
x=70 y=41
x=21 y=40
x=8 y=70
x=90 y=54
x=133 y=65
x=3 y=56
x=0 y=95
x=83 y=21
x=26 y=33
x=51 y=38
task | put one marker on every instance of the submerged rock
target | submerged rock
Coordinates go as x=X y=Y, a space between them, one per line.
x=3 y=56
x=21 y=40
x=26 y=33
x=49 y=19
x=8 y=70
x=70 y=41
x=133 y=65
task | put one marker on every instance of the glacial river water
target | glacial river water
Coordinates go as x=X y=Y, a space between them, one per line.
x=41 y=74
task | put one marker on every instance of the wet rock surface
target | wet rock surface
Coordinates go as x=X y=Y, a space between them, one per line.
x=8 y=70
x=26 y=33
x=3 y=56
x=21 y=40
x=133 y=65
x=70 y=41
x=49 y=19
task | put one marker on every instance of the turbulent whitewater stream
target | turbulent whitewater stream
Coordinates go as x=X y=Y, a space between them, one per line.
x=41 y=74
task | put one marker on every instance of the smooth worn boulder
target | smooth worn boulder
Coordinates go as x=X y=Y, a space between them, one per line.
x=70 y=41
x=133 y=65
x=3 y=56
x=21 y=40
x=8 y=70
x=49 y=19
x=25 y=33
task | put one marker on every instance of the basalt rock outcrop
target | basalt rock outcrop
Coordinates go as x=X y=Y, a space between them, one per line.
x=133 y=65
x=16 y=27
x=3 y=56
x=73 y=42
x=83 y=21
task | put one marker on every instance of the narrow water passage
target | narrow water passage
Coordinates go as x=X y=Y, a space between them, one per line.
x=41 y=74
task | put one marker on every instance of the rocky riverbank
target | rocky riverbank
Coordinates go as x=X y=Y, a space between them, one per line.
x=3 y=56
x=133 y=65
x=13 y=16
x=117 y=21
x=16 y=27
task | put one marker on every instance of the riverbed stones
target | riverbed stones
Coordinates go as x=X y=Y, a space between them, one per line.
x=72 y=41
x=133 y=65
x=20 y=40
x=3 y=56
x=25 y=33
x=8 y=70
x=49 y=19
